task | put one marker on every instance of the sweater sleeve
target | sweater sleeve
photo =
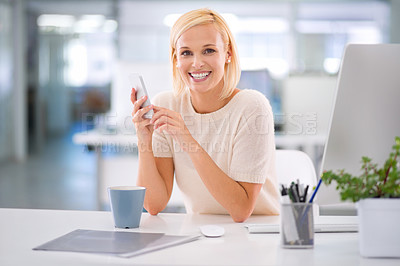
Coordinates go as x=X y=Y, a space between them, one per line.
x=254 y=144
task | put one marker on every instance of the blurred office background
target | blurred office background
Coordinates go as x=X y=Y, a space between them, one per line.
x=63 y=68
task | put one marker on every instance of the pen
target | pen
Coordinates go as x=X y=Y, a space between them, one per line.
x=294 y=191
x=298 y=190
x=283 y=190
x=291 y=195
x=311 y=200
x=315 y=191
x=305 y=194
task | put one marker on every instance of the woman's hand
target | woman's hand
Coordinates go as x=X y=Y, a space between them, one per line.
x=172 y=123
x=144 y=129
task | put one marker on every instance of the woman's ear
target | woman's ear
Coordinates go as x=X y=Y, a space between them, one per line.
x=175 y=60
x=228 y=55
x=228 y=59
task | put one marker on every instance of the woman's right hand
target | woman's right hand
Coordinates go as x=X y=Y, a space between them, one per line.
x=144 y=129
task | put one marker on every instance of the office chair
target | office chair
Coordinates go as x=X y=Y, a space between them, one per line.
x=292 y=165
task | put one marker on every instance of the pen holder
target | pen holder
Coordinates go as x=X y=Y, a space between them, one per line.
x=297 y=225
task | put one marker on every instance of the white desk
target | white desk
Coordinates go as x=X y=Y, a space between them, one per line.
x=21 y=230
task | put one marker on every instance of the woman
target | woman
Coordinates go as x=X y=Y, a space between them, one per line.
x=217 y=140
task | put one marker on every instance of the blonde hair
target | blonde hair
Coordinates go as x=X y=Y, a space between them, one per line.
x=201 y=17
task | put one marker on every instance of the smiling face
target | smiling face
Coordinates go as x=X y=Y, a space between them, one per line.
x=201 y=57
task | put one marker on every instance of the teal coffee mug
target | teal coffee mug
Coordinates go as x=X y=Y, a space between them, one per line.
x=126 y=204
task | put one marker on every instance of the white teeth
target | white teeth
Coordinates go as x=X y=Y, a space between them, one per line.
x=200 y=75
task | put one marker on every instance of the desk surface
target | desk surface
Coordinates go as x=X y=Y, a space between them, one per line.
x=21 y=230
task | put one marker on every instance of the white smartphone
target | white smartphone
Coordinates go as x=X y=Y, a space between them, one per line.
x=137 y=82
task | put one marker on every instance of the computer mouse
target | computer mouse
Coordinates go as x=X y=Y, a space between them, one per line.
x=212 y=230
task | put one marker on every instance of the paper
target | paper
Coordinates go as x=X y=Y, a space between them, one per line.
x=124 y=244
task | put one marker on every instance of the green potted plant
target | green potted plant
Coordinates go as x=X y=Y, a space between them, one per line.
x=377 y=193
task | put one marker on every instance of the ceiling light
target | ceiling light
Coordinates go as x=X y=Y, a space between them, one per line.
x=55 y=20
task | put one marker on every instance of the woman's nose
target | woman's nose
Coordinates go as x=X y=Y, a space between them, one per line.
x=197 y=62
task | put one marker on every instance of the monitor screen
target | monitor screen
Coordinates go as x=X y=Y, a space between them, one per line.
x=366 y=114
x=261 y=81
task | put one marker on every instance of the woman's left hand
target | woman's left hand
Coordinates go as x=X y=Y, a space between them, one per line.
x=172 y=123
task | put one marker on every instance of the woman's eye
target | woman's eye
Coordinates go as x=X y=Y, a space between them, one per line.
x=209 y=51
x=186 y=53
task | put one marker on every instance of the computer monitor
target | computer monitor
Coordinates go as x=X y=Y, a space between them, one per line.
x=366 y=114
x=261 y=81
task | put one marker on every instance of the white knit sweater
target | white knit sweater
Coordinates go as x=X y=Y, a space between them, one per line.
x=239 y=137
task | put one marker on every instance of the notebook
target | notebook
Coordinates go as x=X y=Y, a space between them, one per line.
x=122 y=244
